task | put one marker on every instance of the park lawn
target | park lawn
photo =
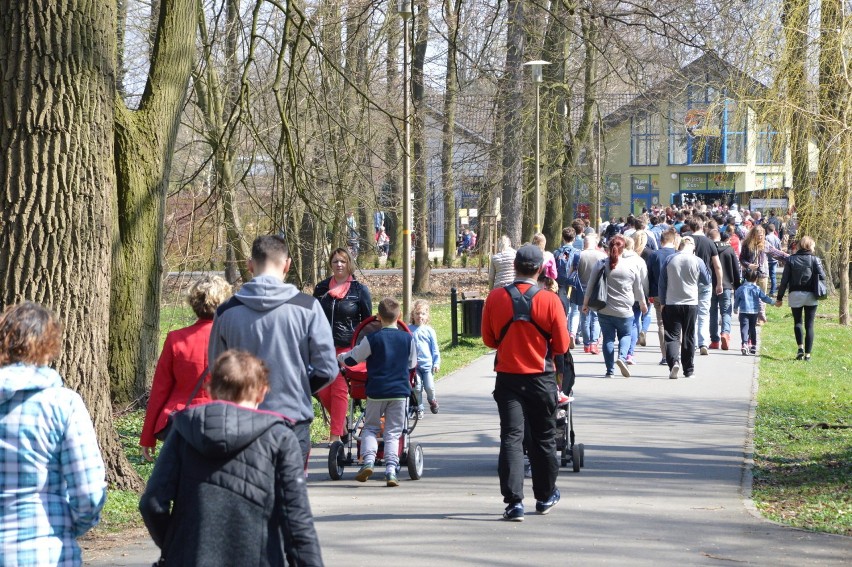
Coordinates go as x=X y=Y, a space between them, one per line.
x=121 y=510
x=803 y=425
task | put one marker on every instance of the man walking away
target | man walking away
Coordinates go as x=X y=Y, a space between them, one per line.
x=283 y=327
x=527 y=326
x=679 y=282
x=721 y=305
x=707 y=253
x=656 y=264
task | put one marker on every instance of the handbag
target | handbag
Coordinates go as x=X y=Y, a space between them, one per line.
x=820 y=290
x=164 y=432
x=597 y=297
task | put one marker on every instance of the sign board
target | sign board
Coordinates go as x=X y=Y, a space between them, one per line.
x=766 y=204
x=472 y=212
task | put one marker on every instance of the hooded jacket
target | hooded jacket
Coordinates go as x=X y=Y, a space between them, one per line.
x=288 y=330
x=52 y=477
x=229 y=489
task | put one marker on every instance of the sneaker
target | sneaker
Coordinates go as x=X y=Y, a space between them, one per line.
x=744 y=350
x=703 y=350
x=419 y=414
x=629 y=359
x=587 y=348
x=807 y=358
x=673 y=372
x=609 y=374
x=391 y=480
x=800 y=355
x=364 y=472
x=664 y=362
x=725 y=341
x=752 y=349
x=641 y=340
x=595 y=348
x=514 y=512
x=562 y=399
x=544 y=507
x=571 y=342
x=688 y=374
x=433 y=406
x=714 y=345
x=623 y=367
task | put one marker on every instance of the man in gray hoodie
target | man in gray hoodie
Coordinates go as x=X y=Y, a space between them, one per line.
x=283 y=327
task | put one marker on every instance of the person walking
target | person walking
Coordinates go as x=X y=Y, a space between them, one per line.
x=183 y=364
x=346 y=302
x=525 y=389
x=802 y=275
x=624 y=287
x=720 y=305
x=669 y=241
x=589 y=323
x=679 y=281
x=288 y=330
x=638 y=238
x=773 y=249
x=501 y=270
x=565 y=257
x=707 y=252
x=753 y=257
x=52 y=477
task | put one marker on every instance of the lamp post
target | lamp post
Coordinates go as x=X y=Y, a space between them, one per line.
x=536 y=67
x=405 y=11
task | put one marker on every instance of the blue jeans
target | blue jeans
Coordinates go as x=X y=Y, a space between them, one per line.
x=772 y=279
x=634 y=330
x=425 y=381
x=702 y=326
x=610 y=328
x=573 y=317
x=590 y=327
x=720 y=304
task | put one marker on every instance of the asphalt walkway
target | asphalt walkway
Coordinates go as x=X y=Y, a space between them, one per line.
x=665 y=482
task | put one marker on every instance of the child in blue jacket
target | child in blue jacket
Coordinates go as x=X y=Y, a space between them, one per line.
x=747 y=302
x=428 y=356
x=391 y=355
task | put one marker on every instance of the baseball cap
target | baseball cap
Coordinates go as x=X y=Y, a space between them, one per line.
x=529 y=254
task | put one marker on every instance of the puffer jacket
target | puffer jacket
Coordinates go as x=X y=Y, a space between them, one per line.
x=229 y=489
x=344 y=314
x=800 y=273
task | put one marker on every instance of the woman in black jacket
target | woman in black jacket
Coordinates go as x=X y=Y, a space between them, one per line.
x=802 y=273
x=346 y=302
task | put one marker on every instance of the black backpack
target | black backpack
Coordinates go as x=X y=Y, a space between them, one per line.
x=522 y=308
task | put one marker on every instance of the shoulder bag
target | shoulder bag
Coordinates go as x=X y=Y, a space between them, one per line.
x=820 y=290
x=164 y=432
x=597 y=285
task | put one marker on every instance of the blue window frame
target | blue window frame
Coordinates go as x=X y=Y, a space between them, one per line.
x=718 y=131
x=645 y=139
x=770 y=146
x=678 y=137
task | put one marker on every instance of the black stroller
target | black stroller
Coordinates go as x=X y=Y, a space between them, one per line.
x=565 y=443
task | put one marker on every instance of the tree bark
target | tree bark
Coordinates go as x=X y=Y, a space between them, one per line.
x=452 y=9
x=795 y=21
x=144 y=144
x=422 y=267
x=510 y=95
x=57 y=101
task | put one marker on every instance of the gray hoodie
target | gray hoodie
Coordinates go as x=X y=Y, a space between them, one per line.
x=288 y=330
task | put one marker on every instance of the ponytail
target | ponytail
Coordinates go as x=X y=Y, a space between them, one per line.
x=616 y=247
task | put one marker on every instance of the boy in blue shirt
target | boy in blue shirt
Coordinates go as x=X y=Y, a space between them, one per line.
x=746 y=302
x=391 y=355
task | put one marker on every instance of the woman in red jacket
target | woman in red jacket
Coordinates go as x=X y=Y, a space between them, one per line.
x=183 y=360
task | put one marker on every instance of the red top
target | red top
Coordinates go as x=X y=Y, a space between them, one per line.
x=524 y=350
x=181 y=363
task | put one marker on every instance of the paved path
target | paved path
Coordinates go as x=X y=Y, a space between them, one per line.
x=662 y=485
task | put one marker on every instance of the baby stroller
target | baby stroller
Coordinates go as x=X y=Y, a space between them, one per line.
x=570 y=452
x=344 y=453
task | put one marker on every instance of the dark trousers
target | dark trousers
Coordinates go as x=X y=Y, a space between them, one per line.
x=748 y=328
x=679 y=325
x=302 y=429
x=530 y=399
x=804 y=332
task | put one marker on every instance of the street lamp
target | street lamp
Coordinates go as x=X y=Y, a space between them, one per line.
x=536 y=68
x=405 y=11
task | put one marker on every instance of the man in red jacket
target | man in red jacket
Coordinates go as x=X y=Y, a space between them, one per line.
x=527 y=326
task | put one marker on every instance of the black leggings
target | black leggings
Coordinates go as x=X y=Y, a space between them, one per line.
x=808 y=330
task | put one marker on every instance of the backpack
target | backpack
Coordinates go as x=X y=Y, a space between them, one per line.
x=564 y=259
x=522 y=309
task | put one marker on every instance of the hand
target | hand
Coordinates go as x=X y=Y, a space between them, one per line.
x=435 y=370
x=778 y=303
x=719 y=289
x=148 y=454
x=585 y=309
x=644 y=309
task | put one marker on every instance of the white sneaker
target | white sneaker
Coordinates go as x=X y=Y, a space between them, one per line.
x=675 y=369
x=623 y=367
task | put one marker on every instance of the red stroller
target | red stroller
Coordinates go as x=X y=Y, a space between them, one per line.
x=345 y=452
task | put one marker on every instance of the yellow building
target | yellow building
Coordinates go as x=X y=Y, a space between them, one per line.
x=690 y=138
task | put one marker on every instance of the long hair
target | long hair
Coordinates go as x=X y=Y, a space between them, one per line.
x=752 y=243
x=616 y=247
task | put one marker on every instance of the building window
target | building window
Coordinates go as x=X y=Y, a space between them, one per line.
x=734 y=130
x=770 y=146
x=645 y=139
x=678 y=137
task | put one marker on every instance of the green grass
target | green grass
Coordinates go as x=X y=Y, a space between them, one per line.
x=803 y=427
x=121 y=510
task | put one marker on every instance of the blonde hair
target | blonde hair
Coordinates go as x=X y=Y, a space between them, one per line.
x=751 y=242
x=539 y=240
x=640 y=239
x=207 y=294
x=417 y=305
x=629 y=244
x=807 y=243
x=343 y=253
x=503 y=244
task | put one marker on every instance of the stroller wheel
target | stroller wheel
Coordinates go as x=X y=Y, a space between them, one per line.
x=575 y=458
x=415 y=461
x=336 y=460
x=582 y=455
x=565 y=457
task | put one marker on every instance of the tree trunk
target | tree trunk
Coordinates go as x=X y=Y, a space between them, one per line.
x=795 y=21
x=390 y=199
x=510 y=95
x=452 y=10
x=58 y=181
x=422 y=267
x=144 y=144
